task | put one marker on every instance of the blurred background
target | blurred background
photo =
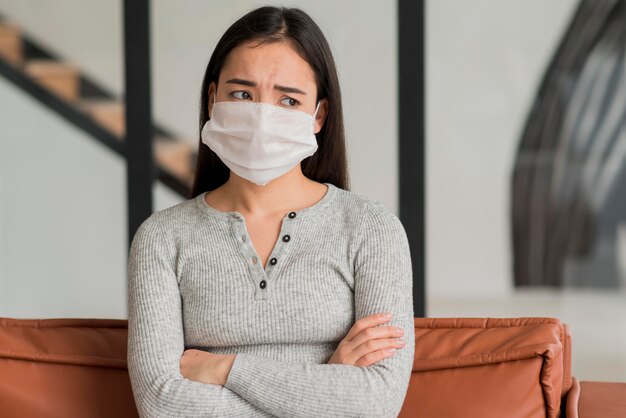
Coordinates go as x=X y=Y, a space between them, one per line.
x=524 y=150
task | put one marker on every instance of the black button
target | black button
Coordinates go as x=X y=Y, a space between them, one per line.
x=262 y=284
x=273 y=261
x=292 y=215
x=286 y=238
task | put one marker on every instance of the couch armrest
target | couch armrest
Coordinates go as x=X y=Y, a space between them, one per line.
x=571 y=400
x=567 y=359
x=487 y=367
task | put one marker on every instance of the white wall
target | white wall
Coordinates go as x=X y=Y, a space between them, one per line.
x=484 y=59
x=63 y=216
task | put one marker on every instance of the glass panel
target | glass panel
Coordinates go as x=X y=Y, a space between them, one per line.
x=526 y=208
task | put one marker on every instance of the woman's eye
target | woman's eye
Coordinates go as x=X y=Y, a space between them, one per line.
x=290 y=101
x=240 y=94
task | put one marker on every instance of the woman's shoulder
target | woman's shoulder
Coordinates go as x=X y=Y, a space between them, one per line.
x=171 y=218
x=375 y=227
x=364 y=206
x=367 y=216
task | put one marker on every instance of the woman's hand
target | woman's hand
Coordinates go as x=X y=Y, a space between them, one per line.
x=206 y=367
x=366 y=343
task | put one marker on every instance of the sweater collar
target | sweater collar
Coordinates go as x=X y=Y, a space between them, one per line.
x=316 y=207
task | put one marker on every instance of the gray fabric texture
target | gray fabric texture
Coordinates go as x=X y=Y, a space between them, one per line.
x=193 y=283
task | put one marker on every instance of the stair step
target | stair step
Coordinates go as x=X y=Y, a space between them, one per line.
x=11 y=43
x=108 y=113
x=62 y=78
x=176 y=157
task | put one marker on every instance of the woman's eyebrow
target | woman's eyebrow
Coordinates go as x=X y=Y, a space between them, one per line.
x=249 y=83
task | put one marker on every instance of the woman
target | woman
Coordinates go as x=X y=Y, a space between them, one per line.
x=264 y=293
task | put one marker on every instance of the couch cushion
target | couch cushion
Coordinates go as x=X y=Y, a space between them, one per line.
x=64 y=368
x=602 y=400
x=488 y=367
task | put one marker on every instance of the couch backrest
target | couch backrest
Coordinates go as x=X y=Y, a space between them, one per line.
x=463 y=367
x=489 y=367
x=64 y=368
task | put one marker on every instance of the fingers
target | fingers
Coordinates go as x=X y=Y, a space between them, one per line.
x=376 y=345
x=365 y=323
x=374 y=350
x=367 y=342
x=374 y=357
x=375 y=333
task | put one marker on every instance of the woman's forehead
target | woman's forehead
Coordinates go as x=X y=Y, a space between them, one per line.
x=275 y=62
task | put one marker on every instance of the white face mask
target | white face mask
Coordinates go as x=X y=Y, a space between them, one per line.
x=259 y=141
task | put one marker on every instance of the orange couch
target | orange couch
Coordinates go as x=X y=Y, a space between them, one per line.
x=464 y=367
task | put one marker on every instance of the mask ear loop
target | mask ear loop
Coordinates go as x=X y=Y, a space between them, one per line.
x=316 y=108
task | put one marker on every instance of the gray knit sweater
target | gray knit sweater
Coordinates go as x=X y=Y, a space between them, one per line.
x=195 y=281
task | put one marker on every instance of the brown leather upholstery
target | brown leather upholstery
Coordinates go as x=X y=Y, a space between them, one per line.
x=489 y=367
x=596 y=400
x=64 y=368
x=464 y=367
x=570 y=408
x=602 y=400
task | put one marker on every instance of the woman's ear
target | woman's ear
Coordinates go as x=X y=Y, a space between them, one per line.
x=320 y=118
x=211 y=97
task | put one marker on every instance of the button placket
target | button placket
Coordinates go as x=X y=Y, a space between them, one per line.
x=280 y=249
x=283 y=244
x=263 y=277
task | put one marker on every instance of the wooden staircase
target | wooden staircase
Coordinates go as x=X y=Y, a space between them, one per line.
x=175 y=157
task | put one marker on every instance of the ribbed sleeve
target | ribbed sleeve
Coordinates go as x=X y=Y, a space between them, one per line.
x=382 y=282
x=156 y=339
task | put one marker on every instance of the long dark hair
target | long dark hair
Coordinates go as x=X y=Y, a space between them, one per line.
x=274 y=24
